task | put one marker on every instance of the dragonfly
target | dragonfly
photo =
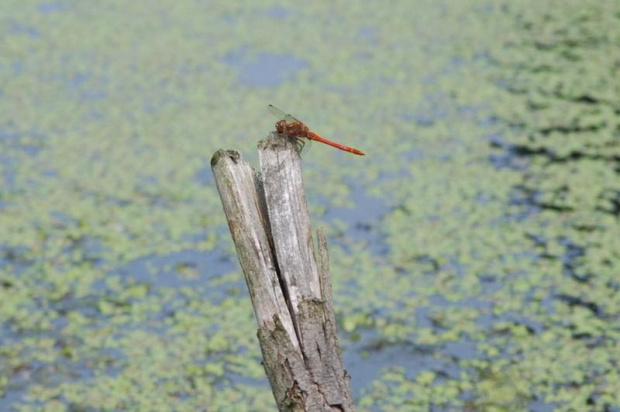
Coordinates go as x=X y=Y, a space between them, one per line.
x=292 y=127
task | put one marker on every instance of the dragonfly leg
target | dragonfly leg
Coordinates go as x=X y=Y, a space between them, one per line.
x=300 y=144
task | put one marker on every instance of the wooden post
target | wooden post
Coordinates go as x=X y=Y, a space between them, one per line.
x=290 y=291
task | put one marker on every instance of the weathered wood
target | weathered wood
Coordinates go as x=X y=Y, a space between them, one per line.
x=336 y=381
x=290 y=222
x=247 y=221
x=307 y=285
x=297 y=332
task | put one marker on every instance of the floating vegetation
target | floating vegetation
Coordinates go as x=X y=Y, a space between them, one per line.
x=475 y=251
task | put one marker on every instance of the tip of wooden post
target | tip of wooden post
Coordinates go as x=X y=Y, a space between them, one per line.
x=275 y=141
x=234 y=155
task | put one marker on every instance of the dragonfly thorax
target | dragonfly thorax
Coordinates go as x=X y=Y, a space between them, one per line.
x=292 y=129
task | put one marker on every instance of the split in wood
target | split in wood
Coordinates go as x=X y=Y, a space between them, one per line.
x=291 y=293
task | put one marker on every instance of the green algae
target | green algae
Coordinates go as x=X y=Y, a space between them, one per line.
x=111 y=114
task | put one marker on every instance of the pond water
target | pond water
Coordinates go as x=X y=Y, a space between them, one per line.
x=474 y=250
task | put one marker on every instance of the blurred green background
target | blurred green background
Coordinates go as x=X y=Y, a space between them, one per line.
x=475 y=249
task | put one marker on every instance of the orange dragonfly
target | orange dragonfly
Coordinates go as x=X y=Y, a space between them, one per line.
x=291 y=127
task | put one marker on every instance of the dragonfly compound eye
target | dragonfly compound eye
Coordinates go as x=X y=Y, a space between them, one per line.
x=281 y=126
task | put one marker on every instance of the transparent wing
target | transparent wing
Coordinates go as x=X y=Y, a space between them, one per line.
x=281 y=115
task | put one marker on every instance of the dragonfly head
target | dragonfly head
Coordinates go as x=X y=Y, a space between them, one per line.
x=281 y=126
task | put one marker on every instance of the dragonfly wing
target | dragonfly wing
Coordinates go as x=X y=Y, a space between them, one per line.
x=281 y=115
